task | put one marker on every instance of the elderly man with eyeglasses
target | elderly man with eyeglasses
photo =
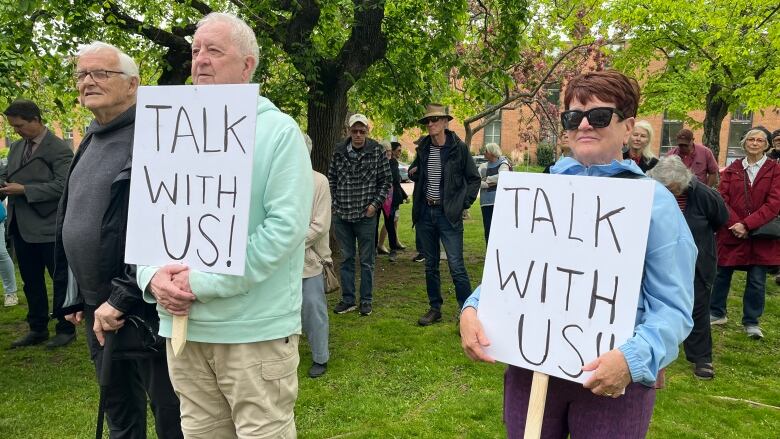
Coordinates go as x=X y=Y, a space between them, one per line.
x=90 y=241
x=360 y=178
x=446 y=183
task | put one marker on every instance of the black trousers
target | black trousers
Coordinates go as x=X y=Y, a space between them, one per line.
x=130 y=383
x=392 y=235
x=34 y=259
x=698 y=345
x=487 y=220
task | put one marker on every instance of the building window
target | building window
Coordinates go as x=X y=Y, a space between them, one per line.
x=493 y=131
x=669 y=133
x=740 y=123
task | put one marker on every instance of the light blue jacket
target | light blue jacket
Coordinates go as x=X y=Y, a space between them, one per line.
x=264 y=303
x=663 y=318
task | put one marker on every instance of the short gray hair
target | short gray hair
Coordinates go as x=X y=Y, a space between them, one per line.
x=750 y=133
x=670 y=170
x=240 y=32
x=126 y=63
x=493 y=149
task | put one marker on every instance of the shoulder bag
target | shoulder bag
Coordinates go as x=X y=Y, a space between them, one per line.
x=770 y=230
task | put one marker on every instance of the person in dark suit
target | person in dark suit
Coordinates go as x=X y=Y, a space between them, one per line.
x=33 y=182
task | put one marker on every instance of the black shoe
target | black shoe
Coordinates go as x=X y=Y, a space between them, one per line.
x=317 y=370
x=365 y=309
x=419 y=258
x=382 y=250
x=31 y=338
x=429 y=318
x=393 y=256
x=704 y=371
x=61 y=340
x=343 y=308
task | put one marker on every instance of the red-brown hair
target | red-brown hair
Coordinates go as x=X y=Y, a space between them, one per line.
x=608 y=86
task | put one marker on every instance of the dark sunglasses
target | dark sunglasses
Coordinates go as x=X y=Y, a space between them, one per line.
x=599 y=117
x=433 y=119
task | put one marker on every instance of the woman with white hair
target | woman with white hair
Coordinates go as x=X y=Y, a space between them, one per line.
x=705 y=212
x=488 y=171
x=751 y=189
x=639 y=146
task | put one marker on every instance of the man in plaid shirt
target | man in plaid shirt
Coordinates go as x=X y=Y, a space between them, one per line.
x=359 y=176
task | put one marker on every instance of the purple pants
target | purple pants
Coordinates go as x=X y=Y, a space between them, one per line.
x=574 y=410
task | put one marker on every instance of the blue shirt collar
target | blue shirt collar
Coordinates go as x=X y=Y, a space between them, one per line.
x=570 y=166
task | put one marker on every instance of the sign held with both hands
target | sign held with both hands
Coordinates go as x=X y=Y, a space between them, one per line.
x=191 y=178
x=563 y=269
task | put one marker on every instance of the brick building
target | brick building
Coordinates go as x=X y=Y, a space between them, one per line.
x=506 y=132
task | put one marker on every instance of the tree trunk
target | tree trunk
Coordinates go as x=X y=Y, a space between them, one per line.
x=716 y=110
x=327 y=112
x=178 y=67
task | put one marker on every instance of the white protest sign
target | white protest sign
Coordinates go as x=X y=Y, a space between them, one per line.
x=563 y=269
x=191 y=178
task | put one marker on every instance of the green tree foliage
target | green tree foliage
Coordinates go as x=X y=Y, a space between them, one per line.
x=513 y=53
x=312 y=52
x=545 y=154
x=714 y=54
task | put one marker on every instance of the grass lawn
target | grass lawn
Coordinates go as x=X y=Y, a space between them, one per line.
x=389 y=378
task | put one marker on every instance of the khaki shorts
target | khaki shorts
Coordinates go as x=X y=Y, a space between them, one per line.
x=243 y=390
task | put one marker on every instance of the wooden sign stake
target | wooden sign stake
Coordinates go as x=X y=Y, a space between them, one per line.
x=179 y=336
x=537 y=400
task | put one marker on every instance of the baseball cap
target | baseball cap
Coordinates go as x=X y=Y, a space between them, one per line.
x=357 y=117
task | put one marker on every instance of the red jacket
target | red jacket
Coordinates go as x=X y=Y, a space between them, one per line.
x=764 y=205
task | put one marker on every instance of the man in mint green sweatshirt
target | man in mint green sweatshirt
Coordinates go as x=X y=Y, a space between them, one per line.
x=236 y=375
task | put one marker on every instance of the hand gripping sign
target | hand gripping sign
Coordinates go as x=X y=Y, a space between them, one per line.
x=562 y=272
x=191 y=179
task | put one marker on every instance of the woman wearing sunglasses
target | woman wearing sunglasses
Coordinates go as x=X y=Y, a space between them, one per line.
x=617 y=400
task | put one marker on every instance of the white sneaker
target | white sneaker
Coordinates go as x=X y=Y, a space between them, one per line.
x=11 y=300
x=754 y=332
x=714 y=320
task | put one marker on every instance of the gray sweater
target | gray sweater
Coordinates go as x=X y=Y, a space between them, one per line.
x=89 y=190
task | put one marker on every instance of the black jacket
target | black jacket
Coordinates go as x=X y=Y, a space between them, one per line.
x=705 y=212
x=399 y=194
x=124 y=293
x=644 y=164
x=460 y=179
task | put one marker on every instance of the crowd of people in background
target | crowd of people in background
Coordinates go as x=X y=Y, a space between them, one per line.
x=67 y=215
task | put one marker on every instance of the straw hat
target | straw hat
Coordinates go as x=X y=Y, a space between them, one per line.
x=434 y=110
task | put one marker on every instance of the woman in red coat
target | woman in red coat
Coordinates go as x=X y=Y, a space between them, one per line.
x=751 y=189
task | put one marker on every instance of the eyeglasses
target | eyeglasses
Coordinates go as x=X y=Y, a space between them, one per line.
x=97 y=75
x=433 y=119
x=755 y=140
x=599 y=117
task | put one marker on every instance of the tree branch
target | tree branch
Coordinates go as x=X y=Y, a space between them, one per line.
x=509 y=98
x=366 y=42
x=768 y=17
x=154 y=34
x=198 y=5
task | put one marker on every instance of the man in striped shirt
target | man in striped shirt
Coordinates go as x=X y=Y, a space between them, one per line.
x=359 y=176
x=446 y=183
